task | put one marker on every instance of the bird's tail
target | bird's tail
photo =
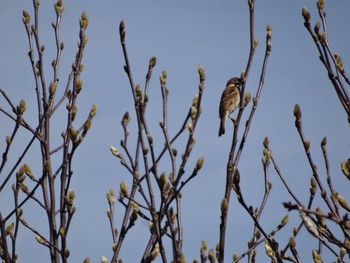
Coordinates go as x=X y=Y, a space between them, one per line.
x=222 y=127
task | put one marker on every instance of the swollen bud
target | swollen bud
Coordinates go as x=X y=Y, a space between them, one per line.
x=247 y=98
x=59 y=8
x=292 y=242
x=25 y=17
x=122 y=31
x=114 y=151
x=345 y=167
x=123 y=189
x=52 y=89
x=163 y=77
x=316 y=257
x=201 y=73
x=284 y=220
x=152 y=62
x=306 y=14
x=269 y=30
x=307 y=144
x=266 y=142
x=84 y=21
x=297 y=112
x=40 y=239
x=199 y=163
x=320 y=4
x=126 y=119
x=21 y=108
x=224 y=206
x=342 y=202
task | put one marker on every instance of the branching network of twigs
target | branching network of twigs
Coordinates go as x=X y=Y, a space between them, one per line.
x=53 y=179
x=155 y=196
x=164 y=216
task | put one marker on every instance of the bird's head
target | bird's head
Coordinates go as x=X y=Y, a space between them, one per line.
x=236 y=82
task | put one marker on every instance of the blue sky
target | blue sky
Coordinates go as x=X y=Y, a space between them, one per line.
x=183 y=35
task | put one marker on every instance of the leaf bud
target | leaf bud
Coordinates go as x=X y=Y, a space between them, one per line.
x=320 y=4
x=138 y=93
x=317 y=28
x=297 y=112
x=8 y=140
x=193 y=112
x=268 y=250
x=73 y=134
x=266 y=142
x=122 y=31
x=150 y=139
x=9 y=229
x=52 y=89
x=316 y=257
x=247 y=98
x=162 y=180
x=201 y=73
x=195 y=101
x=115 y=151
x=40 y=239
x=307 y=144
x=21 y=108
x=323 y=37
x=255 y=42
x=313 y=186
x=342 y=202
x=211 y=256
x=199 y=163
x=305 y=13
x=78 y=84
x=24 y=188
x=84 y=21
x=154 y=253
x=340 y=64
x=189 y=126
x=284 y=220
x=125 y=119
x=163 y=77
x=309 y=225
x=345 y=167
x=342 y=252
x=174 y=152
x=224 y=206
x=133 y=216
x=152 y=62
x=25 y=17
x=203 y=247
x=93 y=111
x=110 y=196
x=123 y=189
x=20 y=174
x=145 y=151
x=70 y=197
x=292 y=242
x=59 y=8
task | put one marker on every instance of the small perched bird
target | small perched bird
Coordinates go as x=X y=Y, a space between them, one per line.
x=230 y=99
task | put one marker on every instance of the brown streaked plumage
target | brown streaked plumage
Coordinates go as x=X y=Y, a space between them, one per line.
x=230 y=99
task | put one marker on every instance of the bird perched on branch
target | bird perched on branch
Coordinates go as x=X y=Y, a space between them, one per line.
x=230 y=99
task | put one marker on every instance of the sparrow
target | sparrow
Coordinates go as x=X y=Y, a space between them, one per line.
x=230 y=99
